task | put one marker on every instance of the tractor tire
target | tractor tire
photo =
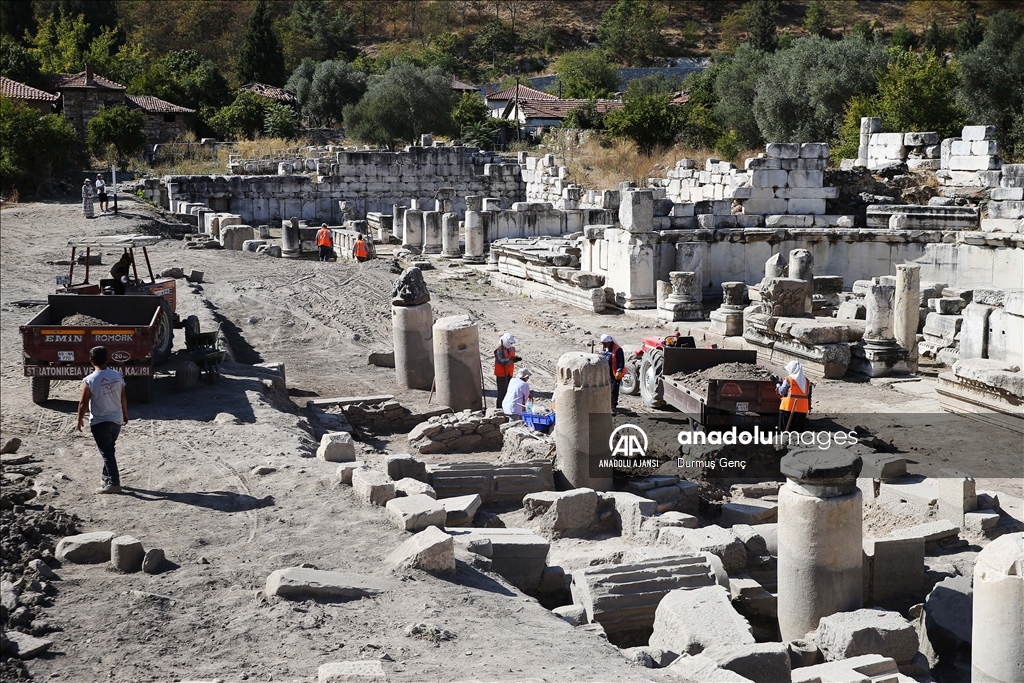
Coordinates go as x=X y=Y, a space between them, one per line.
x=186 y=377
x=40 y=390
x=164 y=335
x=630 y=381
x=651 y=388
x=191 y=330
x=142 y=389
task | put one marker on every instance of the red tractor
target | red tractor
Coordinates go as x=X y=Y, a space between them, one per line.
x=644 y=368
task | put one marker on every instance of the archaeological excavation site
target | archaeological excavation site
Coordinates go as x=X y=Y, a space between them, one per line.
x=443 y=414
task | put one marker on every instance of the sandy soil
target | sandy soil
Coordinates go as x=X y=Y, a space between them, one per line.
x=187 y=460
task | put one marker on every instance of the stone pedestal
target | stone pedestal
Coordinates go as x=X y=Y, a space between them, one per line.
x=450 y=236
x=584 y=424
x=474 y=237
x=291 y=239
x=878 y=354
x=432 y=239
x=412 y=231
x=457 y=369
x=907 y=314
x=819 y=539
x=414 y=359
x=445 y=195
x=683 y=303
x=398 y=221
x=997 y=641
x=728 y=320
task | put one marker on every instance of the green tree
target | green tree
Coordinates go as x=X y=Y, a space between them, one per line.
x=935 y=39
x=735 y=88
x=117 y=133
x=301 y=81
x=260 y=58
x=322 y=35
x=992 y=86
x=804 y=91
x=115 y=59
x=245 y=118
x=401 y=105
x=862 y=29
x=651 y=121
x=469 y=110
x=916 y=92
x=816 y=19
x=969 y=34
x=183 y=77
x=584 y=117
x=848 y=145
x=33 y=149
x=653 y=84
x=761 y=24
x=18 y=64
x=698 y=128
x=335 y=85
x=584 y=74
x=482 y=134
x=59 y=44
x=631 y=31
x=280 y=121
x=903 y=37
x=99 y=15
x=17 y=19
x=494 y=41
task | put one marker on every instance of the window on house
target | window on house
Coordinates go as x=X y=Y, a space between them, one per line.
x=168 y=118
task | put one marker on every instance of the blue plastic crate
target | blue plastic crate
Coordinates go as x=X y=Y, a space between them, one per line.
x=539 y=422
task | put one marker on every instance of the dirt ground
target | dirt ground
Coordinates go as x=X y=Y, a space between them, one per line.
x=187 y=459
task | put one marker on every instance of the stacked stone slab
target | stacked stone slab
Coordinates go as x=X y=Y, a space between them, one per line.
x=519 y=555
x=548 y=179
x=921 y=217
x=668 y=492
x=623 y=597
x=1006 y=206
x=493 y=483
x=546 y=268
x=465 y=432
x=920 y=150
x=975 y=150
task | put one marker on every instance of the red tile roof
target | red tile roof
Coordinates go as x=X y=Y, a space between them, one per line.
x=78 y=81
x=269 y=91
x=559 y=108
x=20 y=91
x=155 y=105
x=525 y=93
x=459 y=85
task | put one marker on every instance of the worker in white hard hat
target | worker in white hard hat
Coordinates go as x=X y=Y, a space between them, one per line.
x=518 y=396
x=505 y=360
x=616 y=364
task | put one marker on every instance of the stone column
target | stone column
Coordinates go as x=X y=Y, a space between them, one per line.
x=801 y=267
x=728 y=320
x=474 y=237
x=412 y=326
x=878 y=354
x=997 y=636
x=683 y=303
x=398 y=221
x=775 y=266
x=291 y=239
x=431 y=232
x=879 y=317
x=571 y=197
x=450 y=236
x=445 y=195
x=868 y=125
x=907 y=315
x=820 y=556
x=412 y=231
x=584 y=422
x=457 y=369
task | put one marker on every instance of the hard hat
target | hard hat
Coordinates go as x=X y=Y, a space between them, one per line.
x=606 y=338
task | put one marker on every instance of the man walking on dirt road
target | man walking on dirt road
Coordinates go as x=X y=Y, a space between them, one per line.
x=103 y=393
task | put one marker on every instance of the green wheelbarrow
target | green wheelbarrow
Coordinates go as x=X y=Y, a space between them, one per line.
x=209 y=362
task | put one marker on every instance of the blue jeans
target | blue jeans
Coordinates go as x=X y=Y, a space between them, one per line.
x=105 y=434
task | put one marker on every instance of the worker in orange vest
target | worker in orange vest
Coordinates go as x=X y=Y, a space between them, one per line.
x=505 y=360
x=325 y=242
x=616 y=363
x=359 y=251
x=795 y=391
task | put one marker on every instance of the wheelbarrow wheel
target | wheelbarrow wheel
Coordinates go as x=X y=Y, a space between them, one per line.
x=191 y=330
x=186 y=377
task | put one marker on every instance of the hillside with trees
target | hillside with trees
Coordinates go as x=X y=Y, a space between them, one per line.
x=777 y=69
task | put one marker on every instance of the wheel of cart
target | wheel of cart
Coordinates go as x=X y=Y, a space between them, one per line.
x=209 y=362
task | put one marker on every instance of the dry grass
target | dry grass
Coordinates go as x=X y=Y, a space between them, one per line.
x=187 y=157
x=598 y=165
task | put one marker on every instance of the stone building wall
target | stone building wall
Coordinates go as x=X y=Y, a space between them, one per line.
x=370 y=181
x=158 y=129
x=80 y=106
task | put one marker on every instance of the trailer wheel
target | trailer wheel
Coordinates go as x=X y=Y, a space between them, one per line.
x=630 y=384
x=651 y=389
x=186 y=377
x=143 y=388
x=40 y=390
x=164 y=335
